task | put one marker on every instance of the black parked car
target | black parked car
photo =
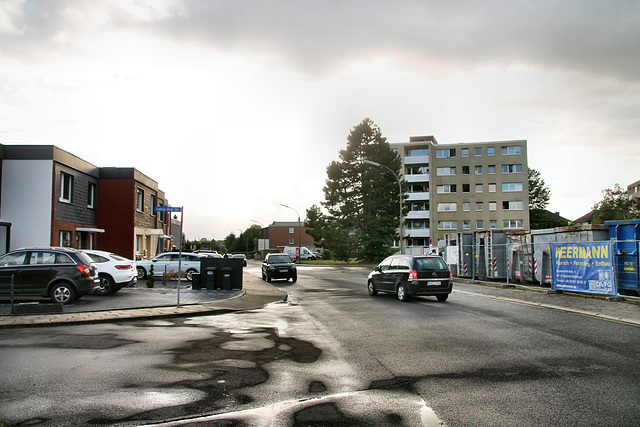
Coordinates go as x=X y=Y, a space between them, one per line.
x=279 y=266
x=63 y=274
x=411 y=275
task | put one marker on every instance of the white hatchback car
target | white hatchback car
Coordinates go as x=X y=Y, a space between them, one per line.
x=115 y=272
x=168 y=262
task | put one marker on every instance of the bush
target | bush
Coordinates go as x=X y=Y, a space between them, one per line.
x=150 y=278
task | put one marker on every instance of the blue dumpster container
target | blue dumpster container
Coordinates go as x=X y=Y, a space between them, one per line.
x=626 y=241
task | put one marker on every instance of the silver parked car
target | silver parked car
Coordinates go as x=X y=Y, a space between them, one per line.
x=168 y=262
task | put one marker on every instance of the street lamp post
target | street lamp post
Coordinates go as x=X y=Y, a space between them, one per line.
x=299 y=232
x=369 y=162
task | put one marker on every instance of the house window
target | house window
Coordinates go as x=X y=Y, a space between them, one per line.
x=446 y=189
x=447 y=225
x=511 y=150
x=291 y=242
x=140 y=200
x=479 y=224
x=418 y=170
x=479 y=206
x=447 y=207
x=291 y=230
x=465 y=170
x=418 y=188
x=491 y=151
x=418 y=225
x=91 y=196
x=139 y=244
x=493 y=224
x=511 y=186
x=65 y=238
x=511 y=169
x=477 y=151
x=446 y=171
x=478 y=170
x=513 y=206
x=465 y=152
x=466 y=188
x=466 y=224
x=443 y=154
x=493 y=188
x=478 y=188
x=493 y=206
x=512 y=223
x=418 y=152
x=419 y=207
x=66 y=187
x=153 y=205
x=491 y=169
x=466 y=206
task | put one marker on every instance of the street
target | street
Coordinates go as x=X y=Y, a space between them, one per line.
x=330 y=355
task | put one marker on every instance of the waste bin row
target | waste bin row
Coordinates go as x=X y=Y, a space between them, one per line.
x=218 y=274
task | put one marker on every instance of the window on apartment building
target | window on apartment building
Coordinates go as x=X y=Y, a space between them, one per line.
x=153 y=205
x=491 y=151
x=511 y=187
x=493 y=188
x=478 y=170
x=477 y=151
x=140 y=200
x=446 y=171
x=418 y=170
x=512 y=223
x=447 y=225
x=91 y=195
x=479 y=188
x=446 y=153
x=65 y=238
x=465 y=170
x=511 y=168
x=513 y=206
x=511 y=150
x=479 y=224
x=464 y=152
x=420 y=206
x=417 y=242
x=66 y=187
x=446 y=189
x=418 y=188
x=466 y=224
x=493 y=206
x=466 y=206
x=418 y=225
x=466 y=188
x=447 y=207
x=491 y=169
x=418 y=152
x=493 y=224
x=479 y=206
x=291 y=230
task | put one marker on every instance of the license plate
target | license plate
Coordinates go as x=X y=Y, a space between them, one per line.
x=433 y=283
x=282 y=271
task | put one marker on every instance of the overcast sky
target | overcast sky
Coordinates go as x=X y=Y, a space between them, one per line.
x=235 y=107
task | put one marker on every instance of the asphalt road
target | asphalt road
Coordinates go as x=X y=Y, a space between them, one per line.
x=330 y=355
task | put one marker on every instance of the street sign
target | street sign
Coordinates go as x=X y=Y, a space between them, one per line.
x=168 y=209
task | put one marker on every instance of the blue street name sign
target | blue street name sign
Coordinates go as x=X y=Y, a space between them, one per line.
x=168 y=209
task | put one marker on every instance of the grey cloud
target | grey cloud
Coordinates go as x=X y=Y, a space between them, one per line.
x=318 y=38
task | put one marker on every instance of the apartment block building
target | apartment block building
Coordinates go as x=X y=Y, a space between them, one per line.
x=462 y=187
x=633 y=190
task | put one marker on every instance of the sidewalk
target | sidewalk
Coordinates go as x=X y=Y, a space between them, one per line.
x=161 y=302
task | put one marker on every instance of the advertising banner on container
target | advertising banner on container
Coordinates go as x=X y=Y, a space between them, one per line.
x=583 y=267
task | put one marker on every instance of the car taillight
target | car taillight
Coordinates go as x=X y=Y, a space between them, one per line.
x=450 y=275
x=84 y=269
x=413 y=275
x=124 y=267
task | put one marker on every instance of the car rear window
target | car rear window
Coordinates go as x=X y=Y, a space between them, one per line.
x=430 y=264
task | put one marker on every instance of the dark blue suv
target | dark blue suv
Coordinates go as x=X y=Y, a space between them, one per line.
x=62 y=274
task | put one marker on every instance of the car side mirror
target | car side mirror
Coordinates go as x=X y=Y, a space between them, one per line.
x=377 y=268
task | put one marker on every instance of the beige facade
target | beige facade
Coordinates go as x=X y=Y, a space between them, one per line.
x=463 y=187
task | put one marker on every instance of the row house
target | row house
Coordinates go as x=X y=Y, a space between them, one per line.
x=280 y=234
x=49 y=197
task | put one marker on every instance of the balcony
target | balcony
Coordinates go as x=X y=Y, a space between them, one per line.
x=416 y=160
x=418 y=215
x=417 y=178
x=418 y=233
x=413 y=197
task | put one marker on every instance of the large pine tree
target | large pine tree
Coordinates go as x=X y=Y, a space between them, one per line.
x=362 y=200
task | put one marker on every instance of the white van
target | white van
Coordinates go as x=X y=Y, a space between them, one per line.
x=305 y=253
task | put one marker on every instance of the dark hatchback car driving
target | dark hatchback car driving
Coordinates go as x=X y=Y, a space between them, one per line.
x=62 y=274
x=279 y=266
x=411 y=275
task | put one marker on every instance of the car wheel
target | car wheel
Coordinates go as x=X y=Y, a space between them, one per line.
x=442 y=298
x=294 y=278
x=142 y=273
x=263 y=276
x=402 y=293
x=190 y=274
x=63 y=293
x=372 y=289
x=268 y=277
x=106 y=286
